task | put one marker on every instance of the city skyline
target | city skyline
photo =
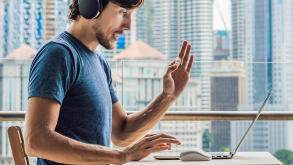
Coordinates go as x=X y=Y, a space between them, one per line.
x=253 y=37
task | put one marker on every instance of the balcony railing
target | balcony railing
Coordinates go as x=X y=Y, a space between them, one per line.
x=189 y=115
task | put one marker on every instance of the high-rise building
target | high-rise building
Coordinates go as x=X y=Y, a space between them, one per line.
x=238 y=29
x=144 y=22
x=1 y=27
x=227 y=92
x=165 y=24
x=258 y=48
x=258 y=66
x=61 y=15
x=281 y=49
x=268 y=51
x=50 y=19
x=30 y=22
x=55 y=14
x=221 y=45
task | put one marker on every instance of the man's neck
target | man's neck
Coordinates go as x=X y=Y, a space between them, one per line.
x=83 y=34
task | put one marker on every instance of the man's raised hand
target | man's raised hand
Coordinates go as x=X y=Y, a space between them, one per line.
x=177 y=75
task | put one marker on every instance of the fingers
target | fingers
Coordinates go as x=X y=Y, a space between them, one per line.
x=186 y=56
x=156 y=136
x=165 y=144
x=169 y=146
x=161 y=144
x=160 y=140
x=163 y=140
x=181 y=54
x=148 y=135
x=190 y=64
x=157 y=149
x=172 y=68
x=173 y=65
x=149 y=144
x=175 y=61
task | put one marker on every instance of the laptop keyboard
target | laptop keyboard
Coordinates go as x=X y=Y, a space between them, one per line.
x=219 y=154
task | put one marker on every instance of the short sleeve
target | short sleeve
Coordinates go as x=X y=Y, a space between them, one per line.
x=51 y=72
x=112 y=92
x=109 y=75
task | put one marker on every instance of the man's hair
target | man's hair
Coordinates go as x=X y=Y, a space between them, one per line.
x=127 y=4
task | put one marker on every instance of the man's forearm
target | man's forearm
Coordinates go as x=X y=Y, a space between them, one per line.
x=138 y=124
x=54 y=146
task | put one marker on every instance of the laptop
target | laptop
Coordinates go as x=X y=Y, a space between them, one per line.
x=219 y=155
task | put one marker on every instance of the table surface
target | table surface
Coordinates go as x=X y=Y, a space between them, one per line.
x=239 y=158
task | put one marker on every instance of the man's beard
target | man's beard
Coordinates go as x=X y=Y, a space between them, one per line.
x=102 y=39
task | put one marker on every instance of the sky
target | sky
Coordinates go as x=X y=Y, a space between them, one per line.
x=222 y=7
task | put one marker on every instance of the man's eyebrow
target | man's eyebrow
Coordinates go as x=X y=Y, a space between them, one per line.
x=122 y=9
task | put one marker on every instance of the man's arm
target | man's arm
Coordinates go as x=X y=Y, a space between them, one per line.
x=42 y=141
x=127 y=129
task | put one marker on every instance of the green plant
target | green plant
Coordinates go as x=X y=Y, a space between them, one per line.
x=285 y=156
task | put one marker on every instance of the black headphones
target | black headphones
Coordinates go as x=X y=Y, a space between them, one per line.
x=90 y=8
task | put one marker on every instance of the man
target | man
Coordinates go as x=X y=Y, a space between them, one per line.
x=73 y=111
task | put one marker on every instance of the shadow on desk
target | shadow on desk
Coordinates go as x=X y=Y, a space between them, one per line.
x=240 y=158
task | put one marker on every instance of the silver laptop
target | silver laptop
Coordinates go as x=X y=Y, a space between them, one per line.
x=221 y=155
x=229 y=155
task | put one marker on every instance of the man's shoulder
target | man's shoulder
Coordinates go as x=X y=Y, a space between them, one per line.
x=54 y=53
x=54 y=50
x=59 y=43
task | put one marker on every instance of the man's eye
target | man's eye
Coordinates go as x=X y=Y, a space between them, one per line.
x=124 y=14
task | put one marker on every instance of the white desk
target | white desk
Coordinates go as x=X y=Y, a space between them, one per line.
x=239 y=158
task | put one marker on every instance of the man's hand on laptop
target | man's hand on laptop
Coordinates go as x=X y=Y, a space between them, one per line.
x=149 y=144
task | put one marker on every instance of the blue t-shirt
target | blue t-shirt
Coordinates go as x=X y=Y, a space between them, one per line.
x=64 y=69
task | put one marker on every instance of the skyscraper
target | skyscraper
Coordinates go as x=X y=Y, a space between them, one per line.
x=238 y=29
x=1 y=26
x=50 y=19
x=227 y=92
x=282 y=50
x=281 y=71
x=268 y=53
x=221 y=45
x=55 y=17
x=30 y=22
x=165 y=24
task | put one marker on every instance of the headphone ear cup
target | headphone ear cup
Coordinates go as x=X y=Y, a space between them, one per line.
x=89 y=8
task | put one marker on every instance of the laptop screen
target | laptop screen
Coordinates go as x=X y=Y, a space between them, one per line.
x=251 y=125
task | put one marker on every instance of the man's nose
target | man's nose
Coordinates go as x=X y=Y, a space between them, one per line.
x=127 y=25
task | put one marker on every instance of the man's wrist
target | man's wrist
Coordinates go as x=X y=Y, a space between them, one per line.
x=123 y=157
x=168 y=96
